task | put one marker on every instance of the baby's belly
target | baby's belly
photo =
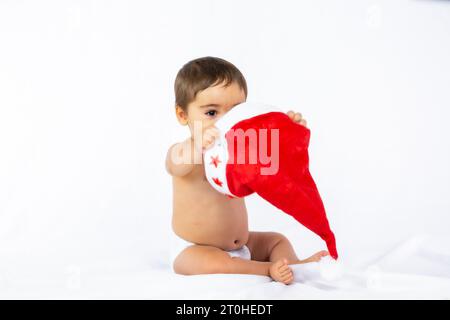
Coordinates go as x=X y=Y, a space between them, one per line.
x=225 y=228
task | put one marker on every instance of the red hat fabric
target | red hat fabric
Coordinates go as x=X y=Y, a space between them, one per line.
x=260 y=149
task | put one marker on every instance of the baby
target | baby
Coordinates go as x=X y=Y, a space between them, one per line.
x=211 y=228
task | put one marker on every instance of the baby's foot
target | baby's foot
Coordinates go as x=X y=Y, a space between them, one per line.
x=317 y=256
x=281 y=272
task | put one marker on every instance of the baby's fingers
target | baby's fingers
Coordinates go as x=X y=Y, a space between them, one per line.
x=298 y=117
x=208 y=142
x=211 y=132
x=210 y=135
x=291 y=114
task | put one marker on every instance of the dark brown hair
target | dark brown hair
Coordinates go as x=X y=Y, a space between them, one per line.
x=202 y=73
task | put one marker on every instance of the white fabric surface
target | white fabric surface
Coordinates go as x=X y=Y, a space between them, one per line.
x=417 y=268
x=86 y=119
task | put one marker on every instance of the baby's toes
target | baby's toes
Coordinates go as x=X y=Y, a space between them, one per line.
x=324 y=253
x=289 y=278
x=285 y=272
x=319 y=255
x=283 y=268
x=282 y=264
x=279 y=265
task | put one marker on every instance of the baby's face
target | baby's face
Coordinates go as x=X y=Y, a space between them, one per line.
x=211 y=104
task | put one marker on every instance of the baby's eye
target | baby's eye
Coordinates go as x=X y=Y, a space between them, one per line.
x=211 y=113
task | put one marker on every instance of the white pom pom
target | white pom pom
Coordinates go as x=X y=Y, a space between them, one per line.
x=330 y=269
x=327 y=269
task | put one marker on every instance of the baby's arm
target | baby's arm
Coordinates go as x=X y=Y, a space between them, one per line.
x=182 y=157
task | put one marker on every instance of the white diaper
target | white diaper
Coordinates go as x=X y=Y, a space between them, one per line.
x=178 y=244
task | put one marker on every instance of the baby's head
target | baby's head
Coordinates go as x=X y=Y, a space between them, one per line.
x=207 y=88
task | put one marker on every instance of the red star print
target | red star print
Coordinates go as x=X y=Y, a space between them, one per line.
x=215 y=161
x=217 y=181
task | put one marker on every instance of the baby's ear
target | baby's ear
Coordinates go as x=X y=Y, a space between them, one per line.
x=181 y=115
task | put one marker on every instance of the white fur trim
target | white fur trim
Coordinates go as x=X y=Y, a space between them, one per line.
x=215 y=158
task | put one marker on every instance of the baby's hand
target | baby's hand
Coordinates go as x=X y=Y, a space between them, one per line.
x=210 y=134
x=296 y=117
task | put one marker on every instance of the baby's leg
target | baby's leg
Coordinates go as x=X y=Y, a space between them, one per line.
x=271 y=246
x=199 y=259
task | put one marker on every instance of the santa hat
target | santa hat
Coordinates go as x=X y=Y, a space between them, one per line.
x=260 y=149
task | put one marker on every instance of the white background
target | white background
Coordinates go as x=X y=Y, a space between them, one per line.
x=87 y=115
